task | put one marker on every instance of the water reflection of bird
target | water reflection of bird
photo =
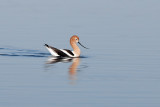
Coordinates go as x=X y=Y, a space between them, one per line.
x=72 y=69
x=65 y=52
x=53 y=60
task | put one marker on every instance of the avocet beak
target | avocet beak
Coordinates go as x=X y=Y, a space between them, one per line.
x=82 y=45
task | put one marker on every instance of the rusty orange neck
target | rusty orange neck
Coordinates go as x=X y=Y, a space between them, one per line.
x=75 y=48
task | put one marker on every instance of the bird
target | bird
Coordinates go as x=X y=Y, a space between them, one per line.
x=65 y=52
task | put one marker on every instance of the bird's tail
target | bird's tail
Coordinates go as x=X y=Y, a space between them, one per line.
x=46 y=45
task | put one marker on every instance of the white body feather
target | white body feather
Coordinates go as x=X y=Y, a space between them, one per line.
x=55 y=54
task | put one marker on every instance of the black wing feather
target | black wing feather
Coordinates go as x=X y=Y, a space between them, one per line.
x=69 y=51
x=59 y=52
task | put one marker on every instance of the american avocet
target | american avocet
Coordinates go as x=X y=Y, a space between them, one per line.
x=65 y=52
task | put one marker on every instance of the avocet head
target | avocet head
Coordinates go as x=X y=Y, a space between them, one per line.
x=75 y=39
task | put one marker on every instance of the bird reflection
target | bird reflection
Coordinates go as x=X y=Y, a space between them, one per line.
x=72 y=68
x=53 y=60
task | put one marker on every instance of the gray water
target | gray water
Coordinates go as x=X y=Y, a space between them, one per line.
x=121 y=68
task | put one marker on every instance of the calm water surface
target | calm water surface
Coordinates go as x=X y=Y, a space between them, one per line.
x=121 y=68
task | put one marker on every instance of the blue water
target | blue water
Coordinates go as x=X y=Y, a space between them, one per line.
x=120 y=68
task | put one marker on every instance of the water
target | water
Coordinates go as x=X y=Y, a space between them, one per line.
x=121 y=68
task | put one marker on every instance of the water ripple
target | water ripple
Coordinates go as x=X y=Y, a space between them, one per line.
x=22 y=52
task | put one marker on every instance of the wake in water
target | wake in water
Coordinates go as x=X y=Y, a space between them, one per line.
x=22 y=52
